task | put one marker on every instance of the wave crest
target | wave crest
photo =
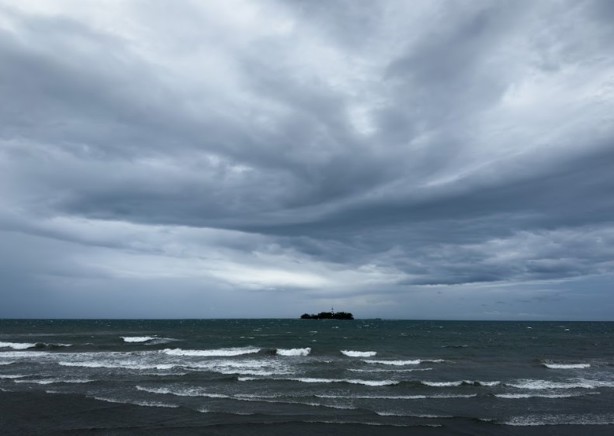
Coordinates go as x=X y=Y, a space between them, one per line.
x=137 y=339
x=293 y=351
x=352 y=353
x=17 y=345
x=394 y=362
x=552 y=365
x=220 y=352
x=570 y=384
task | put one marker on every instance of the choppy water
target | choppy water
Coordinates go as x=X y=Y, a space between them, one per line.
x=367 y=372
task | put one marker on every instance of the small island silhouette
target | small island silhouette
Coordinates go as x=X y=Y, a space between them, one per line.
x=329 y=315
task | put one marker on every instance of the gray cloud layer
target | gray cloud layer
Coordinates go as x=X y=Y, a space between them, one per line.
x=399 y=159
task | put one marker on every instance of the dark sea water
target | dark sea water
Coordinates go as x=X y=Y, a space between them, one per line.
x=377 y=376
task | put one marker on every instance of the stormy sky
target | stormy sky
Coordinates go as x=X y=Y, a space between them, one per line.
x=396 y=159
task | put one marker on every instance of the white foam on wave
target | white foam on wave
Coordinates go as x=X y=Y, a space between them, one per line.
x=535 y=395
x=278 y=400
x=410 y=415
x=53 y=381
x=11 y=376
x=397 y=397
x=181 y=392
x=118 y=364
x=137 y=402
x=137 y=339
x=552 y=365
x=147 y=340
x=352 y=353
x=570 y=384
x=328 y=380
x=25 y=354
x=390 y=370
x=394 y=362
x=350 y=381
x=17 y=345
x=442 y=384
x=460 y=383
x=293 y=351
x=567 y=419
x=6 y=363
x=221 y=352
x=260 y=367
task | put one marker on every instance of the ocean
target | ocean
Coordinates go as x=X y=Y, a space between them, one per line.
x=285 y=376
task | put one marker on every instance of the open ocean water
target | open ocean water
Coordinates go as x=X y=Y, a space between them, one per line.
x=367 y=376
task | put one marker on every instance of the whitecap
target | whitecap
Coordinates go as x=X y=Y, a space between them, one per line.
x=398 y=397
x=221 y=352
x=17 y=345
x=137 y=402
x=552 y=365
x=570 y=384
x=24 y=354
x=118 y=364
x=390 y=370
x=243 y=367
x=350 y=381
x=137 y=339
x=523 y=396
x=53 y=381
x=442 y=384
x=394 y=362
x=179 y=392
x=409 y=415
x=373 y=397
x=327 y=380
x=351 y=353
x=293 y=351
x=10 y=377
x=460 y=383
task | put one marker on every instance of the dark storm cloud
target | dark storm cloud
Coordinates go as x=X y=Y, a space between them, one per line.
x=336 y=152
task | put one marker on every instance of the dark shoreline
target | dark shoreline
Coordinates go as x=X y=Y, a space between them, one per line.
x=40 y=413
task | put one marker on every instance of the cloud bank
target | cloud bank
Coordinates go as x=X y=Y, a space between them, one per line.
x=424 y=159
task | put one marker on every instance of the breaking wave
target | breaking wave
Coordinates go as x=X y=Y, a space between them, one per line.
x=131 y=339
x=148 y=340
x=17 y=345
x=460 y=383
x=293 y=351
x=545 y=384
x=327 y=380
x=118 y=364
x=394 y=362
x=220 y=352
x=552 y=365
x=137 y=402
x=53 y=381
x=351 y=353
x=535 y=395
x=397 y=397
x=390 y=370
x=185 y=392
